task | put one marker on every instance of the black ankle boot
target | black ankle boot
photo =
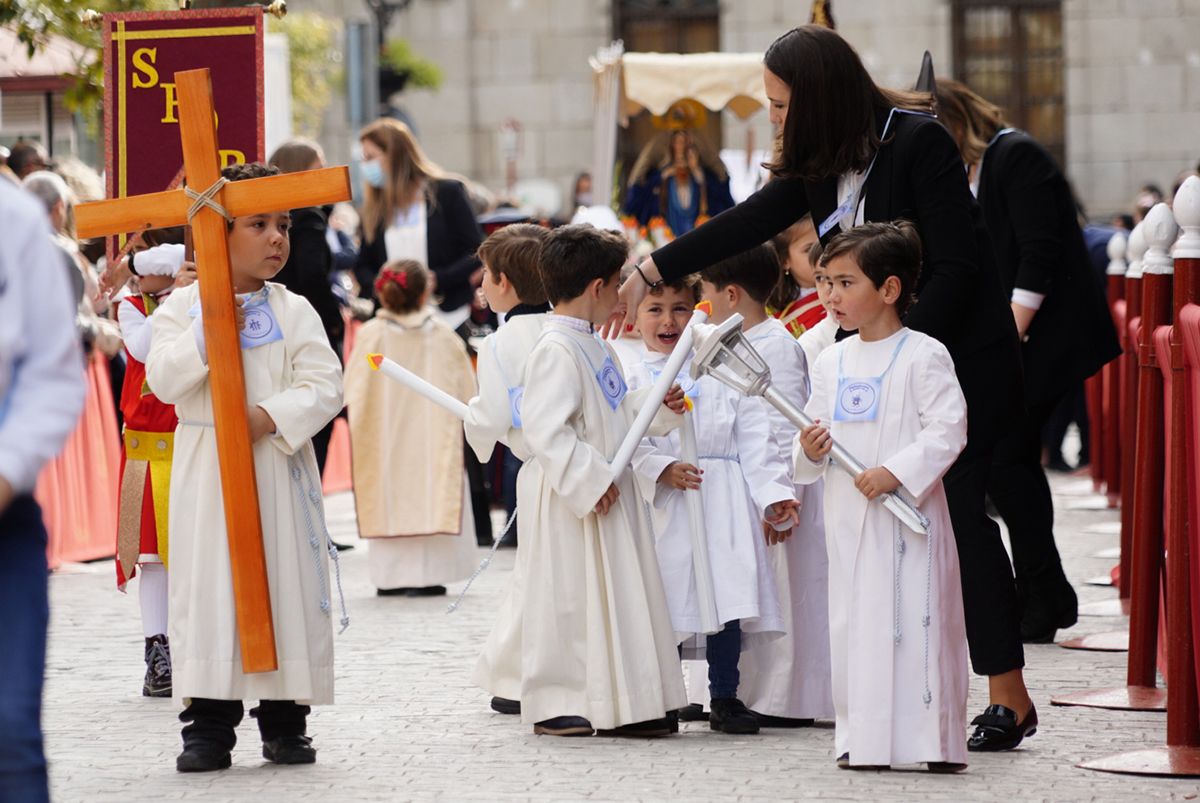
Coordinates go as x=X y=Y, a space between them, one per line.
x=158 y=668
x=730 y=715
x=290 y=750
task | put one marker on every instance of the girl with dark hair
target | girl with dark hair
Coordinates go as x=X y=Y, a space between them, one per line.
x=854 y=152
x=1066 y=330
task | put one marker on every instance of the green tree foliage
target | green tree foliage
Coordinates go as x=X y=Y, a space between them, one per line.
x=421 y=73
x=315 y=57
x=35 y=21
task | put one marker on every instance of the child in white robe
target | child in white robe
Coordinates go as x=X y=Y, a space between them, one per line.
x=512 y=286
x=411 y=497
x=787 y=682
x=742 y=480
x=293 y=388
x=889 y=395
x=597 y=647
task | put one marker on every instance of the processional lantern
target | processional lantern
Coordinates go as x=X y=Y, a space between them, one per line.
x=724 y=353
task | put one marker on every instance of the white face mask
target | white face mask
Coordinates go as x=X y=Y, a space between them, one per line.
x=372 y=172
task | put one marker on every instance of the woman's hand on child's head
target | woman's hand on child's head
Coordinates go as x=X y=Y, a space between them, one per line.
x=608 y=500
x=876 y=481
x=186 y=275
x=261 y=423
x=675 y=400
x=681 y=476
x=784 y=514
x=816 y=441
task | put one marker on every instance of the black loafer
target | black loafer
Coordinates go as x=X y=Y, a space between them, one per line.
x=393 y=592
x=945 y=767
x=769 y=721
x=290 y=750
x=563 y=726
x=503 y=705
x=427 y=591
x=997 y=729
x=650 y=729
x=203 y=759
x=730 y=715
x=694 y=712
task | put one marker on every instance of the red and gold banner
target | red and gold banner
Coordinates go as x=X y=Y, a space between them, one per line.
x=142 y=53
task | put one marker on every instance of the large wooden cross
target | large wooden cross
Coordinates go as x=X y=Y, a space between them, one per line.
x=197 y=129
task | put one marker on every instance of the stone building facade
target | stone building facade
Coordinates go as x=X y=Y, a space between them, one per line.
x=1130 y=79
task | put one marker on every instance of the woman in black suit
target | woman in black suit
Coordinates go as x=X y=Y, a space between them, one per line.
x=413 y=210
x=1062 y=318
x=406 y=191
x=852 y=152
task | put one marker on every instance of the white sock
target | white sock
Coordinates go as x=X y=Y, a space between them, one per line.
x=152 y=592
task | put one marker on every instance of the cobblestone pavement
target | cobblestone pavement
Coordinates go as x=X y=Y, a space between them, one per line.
x=409 y=725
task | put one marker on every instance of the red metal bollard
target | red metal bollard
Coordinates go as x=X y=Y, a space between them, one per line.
x=1112 y=375
x=1145 y=551
x=1129 y=397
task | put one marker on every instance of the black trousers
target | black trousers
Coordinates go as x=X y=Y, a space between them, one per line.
x=1021 y=494
x=991 y=383
x=211 y=723
x=989 y=596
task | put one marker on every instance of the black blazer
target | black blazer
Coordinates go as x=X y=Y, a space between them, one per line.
x=918 y=176
x=307 y=271
x=452 y=238
x=1031 y=217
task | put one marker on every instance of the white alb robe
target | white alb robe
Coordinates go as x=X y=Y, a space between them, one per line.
x=298 y=381
x=743 y=476
x=596 y=633
x=879 y=682
x=791 y=677
x=501 y=372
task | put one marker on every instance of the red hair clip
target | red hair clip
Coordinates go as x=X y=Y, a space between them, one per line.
x=387 y=275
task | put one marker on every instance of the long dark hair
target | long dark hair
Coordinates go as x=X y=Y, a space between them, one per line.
x=835 y=107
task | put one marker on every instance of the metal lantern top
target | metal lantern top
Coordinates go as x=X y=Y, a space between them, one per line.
x=724 y=353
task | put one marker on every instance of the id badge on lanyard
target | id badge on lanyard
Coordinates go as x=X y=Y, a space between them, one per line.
x=850 y=202
x=260 y=328
x=857 y=399
x=612 y=384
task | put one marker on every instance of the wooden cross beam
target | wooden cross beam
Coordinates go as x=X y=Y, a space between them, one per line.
x=197 y=130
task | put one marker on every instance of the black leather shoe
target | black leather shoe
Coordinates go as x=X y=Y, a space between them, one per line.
x=730 y=715
x=650 y=729
x=564 y=726
x=768 y=721
x=997 y=729
x=196 y=758
x=945 y=767
x=290 y=750
x=693 y=712
x=394 y=592
x=342 y=547
x=502 y=705
x=427 y=591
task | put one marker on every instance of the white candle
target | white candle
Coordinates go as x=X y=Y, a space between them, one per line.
x=396 y=371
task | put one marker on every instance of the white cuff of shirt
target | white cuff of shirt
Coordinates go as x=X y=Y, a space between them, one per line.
x=1028 y=298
